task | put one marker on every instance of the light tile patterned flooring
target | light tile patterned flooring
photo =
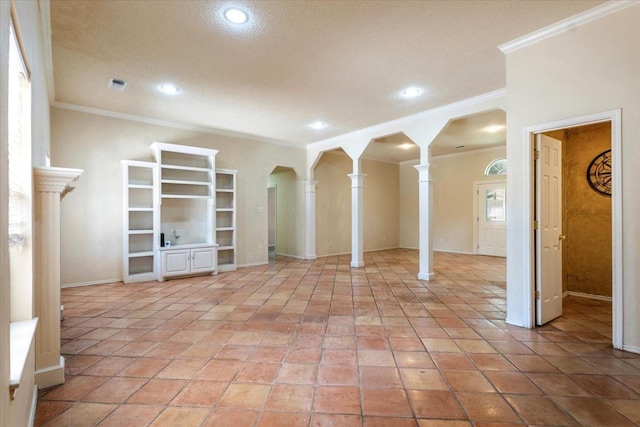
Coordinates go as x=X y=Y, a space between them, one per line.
x=315 y=343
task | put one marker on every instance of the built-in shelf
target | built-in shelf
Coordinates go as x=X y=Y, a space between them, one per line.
x=225 y=228
x=185 y=182
x=140 y=254
x=141 y=231
x=226 y=218
x=225 y=209
x=187 y=168
x=140 y=221
x=185 y=196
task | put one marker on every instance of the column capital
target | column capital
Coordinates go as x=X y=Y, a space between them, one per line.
x=357 y=179
x=424 y=171
x=55 y=180
x=310 y=186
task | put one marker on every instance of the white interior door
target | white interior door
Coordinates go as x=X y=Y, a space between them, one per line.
x=492 y=219
x=549 y=231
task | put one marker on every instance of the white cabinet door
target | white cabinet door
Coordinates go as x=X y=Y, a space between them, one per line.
x=203 y=260
x=175 y=262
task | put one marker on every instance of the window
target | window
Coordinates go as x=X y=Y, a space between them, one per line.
x=496 y=167
x=19 y=145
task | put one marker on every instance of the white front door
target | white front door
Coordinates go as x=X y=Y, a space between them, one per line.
x=492 y=218
x=549 y=229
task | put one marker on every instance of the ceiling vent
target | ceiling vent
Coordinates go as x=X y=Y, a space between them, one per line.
x=117 y=85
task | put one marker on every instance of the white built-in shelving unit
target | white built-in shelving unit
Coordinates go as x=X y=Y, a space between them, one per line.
x=140 y=221
x=179 y=216
x=225 y=218
x=186 y=191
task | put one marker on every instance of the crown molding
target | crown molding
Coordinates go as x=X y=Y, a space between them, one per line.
x=175 y=125
x=567 y=24
x=501 y=147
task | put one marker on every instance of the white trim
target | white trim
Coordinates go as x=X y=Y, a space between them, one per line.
x=495 y=179
x=408 y=247
x=381 y=127
x=333 y=254
x=175 y=125
x=34 y=406
x=95 y=282
x=631 y=348
x=583 y=295
x=253 y=264
x=455 y=252
x=615 y=118
x=479 y=150
x=291 y=256
x=566 y=25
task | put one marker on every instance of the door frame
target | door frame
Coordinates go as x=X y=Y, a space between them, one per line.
x=476 y=203
x=615 y=118
x=275 y=217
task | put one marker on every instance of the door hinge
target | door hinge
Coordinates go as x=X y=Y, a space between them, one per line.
x=536 y=225
x=536 y=294
x=477 y=219
x=536 y=154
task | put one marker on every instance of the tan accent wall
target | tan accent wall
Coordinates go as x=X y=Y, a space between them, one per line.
x=91 y=216
x=333 y=204
x=586 y=214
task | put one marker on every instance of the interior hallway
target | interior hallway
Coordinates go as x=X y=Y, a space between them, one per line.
x=315 y=343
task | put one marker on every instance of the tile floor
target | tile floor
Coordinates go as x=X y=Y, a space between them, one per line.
x=314 y=343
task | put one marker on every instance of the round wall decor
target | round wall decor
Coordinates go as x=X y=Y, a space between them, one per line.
x=599 y=173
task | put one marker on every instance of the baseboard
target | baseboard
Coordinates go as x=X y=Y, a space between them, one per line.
x=34 y=404
x=252 y=264
x=290 y=256
x=631 y=348
x=583 y=295
x=409 y=247
x=95 y=282
x=368 y=250
x=454 y=252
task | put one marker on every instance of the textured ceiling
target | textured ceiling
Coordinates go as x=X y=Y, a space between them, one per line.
x=295 y=62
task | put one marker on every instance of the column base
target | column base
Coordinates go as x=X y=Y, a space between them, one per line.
x=310 y=256
x=425 y=276
x=50 y=376
x=355 y=264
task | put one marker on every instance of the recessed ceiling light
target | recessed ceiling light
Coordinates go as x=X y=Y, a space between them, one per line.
x=318 y=125
x=407 y=146
x=169 y=89
x=236 y=16
x=411 y=92
x=494 y=128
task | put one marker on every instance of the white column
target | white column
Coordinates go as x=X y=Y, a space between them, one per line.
x=357 y=216
x=425 y=199
x=51 y=184
x=310 y=225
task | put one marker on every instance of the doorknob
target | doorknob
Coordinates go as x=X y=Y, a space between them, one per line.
x=562 y=237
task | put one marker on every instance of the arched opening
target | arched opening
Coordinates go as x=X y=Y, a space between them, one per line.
x=282 y=206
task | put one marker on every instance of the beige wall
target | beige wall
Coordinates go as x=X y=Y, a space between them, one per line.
x=92 y=218
x=333 y=204
x=453 y=212
x=592 y=68
x=586 y=214
x=409 y=208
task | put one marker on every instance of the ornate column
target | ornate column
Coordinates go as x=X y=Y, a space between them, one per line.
x=51 y=185
x=310 y=224
x=357 y=217
x=425 y=202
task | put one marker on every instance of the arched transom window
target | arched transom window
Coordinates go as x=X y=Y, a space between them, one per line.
x=496 y=167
